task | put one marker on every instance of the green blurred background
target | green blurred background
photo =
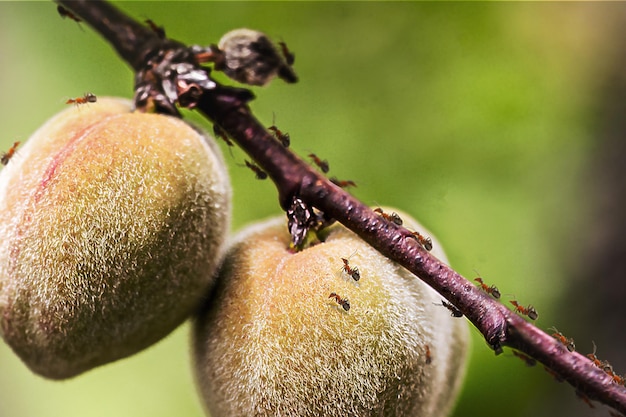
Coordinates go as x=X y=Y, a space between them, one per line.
x=495 y=124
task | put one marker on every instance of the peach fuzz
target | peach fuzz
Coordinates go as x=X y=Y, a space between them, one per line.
x=112 y=226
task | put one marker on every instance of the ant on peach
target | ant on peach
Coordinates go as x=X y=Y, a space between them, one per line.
x=343 y=302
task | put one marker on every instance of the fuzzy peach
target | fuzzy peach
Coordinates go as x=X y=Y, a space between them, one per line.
x=272 y=341
x=112 y=223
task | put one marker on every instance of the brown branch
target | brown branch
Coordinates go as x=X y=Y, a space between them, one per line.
x=227 y=107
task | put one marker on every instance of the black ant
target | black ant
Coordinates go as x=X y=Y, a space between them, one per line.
x=455 y=312
x=353 y=272
x=343 y=302
x=342 y=183
x=159 y=30
x=283 y=138
x=493 y=290
x=322 y=164
x=87 y=98
x=527 y=311
x=565 y=341
x=260 y=174
x=393 y=217
x=6 y=156
x=290 y=57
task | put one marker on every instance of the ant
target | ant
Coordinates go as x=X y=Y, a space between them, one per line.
x=353 y=272
x=593 y=358
x=159 y=30
x=527 y=359
x=425 y=241
x=429 y=358
x=493 y=290
x=6 y=156
x=455 y=312
x=393 y=217
x=586 y=399
x=260 y=174
x=527 y=311
x=343 y=302
x=555 y=375
x=565 y=341
x=283 y=138
x=342 y=184
x=290 y=57
x=63 y=12
x=220 y=133
x=87 y=98
x=322 y=164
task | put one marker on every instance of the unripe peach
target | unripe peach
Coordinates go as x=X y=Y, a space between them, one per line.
x=111 y=225
x=276 y=337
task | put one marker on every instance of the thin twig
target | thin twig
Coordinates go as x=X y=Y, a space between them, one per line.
x=228 y=108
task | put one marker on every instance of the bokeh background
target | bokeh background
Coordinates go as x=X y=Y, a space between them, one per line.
x=498 y=125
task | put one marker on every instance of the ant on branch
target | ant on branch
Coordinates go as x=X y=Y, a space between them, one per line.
x=63 y=12
x=493 y=290
x=322 y=164
x=283 y=138
x=343 y=302
x=353 y=272
x=87 y=98
x=342 y=184
x=455 y=312
x=6 y=156
x=159 y=30
x=425 y=241
x=260 y=174
x=220 y=133
x=290 y=57
x=526 y=311
x=527 y=359
x=565 y=341
x=393 y=217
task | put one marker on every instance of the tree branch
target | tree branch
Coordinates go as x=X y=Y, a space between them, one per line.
x=227 y=107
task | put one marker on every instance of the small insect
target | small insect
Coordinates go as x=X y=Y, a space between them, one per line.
x=593 y=358
x=425 y=241
x=63 y=12
x=527 y=311
x=342 y=183
x=159 y=30
x=260 y=174
x=353 y=272
x=6 y=156
x=527 y=359
x=565 y=341
x=393 y=217
x=283 y=138
x=322 y=164
x=455 y=312
x=87 y=98
x=220 y=133
x=290 y=57
x=583 y=397
x=554 y=374
x=429 y=358
x=343 y=302
x=493 y=290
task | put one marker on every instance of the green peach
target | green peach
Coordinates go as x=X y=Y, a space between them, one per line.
x=271 y=342
x=112 y=225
